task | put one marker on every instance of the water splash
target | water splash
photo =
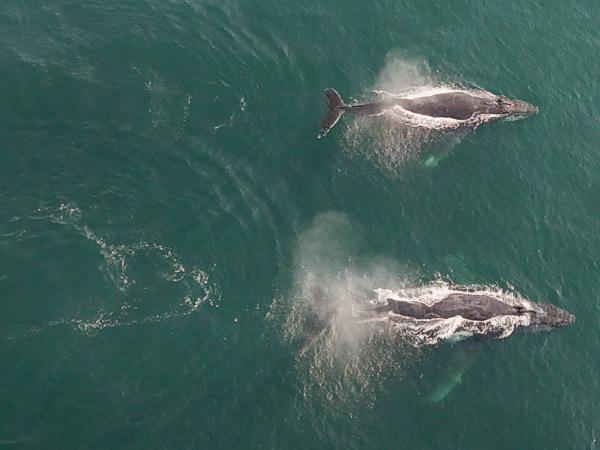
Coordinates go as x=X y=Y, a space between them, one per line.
x=341 y=357
x=329 y=321
x=421 y=332
x=396 y=135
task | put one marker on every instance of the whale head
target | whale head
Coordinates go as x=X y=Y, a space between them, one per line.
x=546 y=315
x=511 y=109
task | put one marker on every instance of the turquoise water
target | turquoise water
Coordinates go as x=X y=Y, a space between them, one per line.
x=172 y=233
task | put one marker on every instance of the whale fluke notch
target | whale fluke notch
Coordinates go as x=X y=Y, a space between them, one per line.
x=336 y=107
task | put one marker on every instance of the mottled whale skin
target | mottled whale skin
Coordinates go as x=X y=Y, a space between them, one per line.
x=462 y=106
x=480 y=307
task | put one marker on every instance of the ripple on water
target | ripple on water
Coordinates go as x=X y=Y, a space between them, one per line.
x=150 y=282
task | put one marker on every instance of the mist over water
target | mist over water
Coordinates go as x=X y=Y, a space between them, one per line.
x=396 y=136
x=402 y=75
x=335 y=289
x=337 y=356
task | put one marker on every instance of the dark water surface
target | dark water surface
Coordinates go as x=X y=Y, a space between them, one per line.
x=166 y=208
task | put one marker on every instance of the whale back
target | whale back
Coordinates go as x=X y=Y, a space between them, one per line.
x=472 y=307
x=469 y=306
x=454 y=105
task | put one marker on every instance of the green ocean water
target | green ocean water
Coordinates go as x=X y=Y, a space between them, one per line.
x=172 y=233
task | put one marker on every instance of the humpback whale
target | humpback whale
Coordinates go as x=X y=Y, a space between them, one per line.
x=456 y=316
x=469 y=109
x=480 y=308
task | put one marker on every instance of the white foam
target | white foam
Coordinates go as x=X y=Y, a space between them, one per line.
x=328 y=322
x=420 y=332
x=125 y=308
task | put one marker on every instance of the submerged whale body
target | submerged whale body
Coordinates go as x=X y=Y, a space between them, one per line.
x=469 y=109
x=481 y=308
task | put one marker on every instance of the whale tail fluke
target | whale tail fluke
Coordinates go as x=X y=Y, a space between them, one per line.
x=334 y=99
x=336 y=107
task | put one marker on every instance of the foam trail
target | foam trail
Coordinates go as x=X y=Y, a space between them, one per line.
x=190 y=286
